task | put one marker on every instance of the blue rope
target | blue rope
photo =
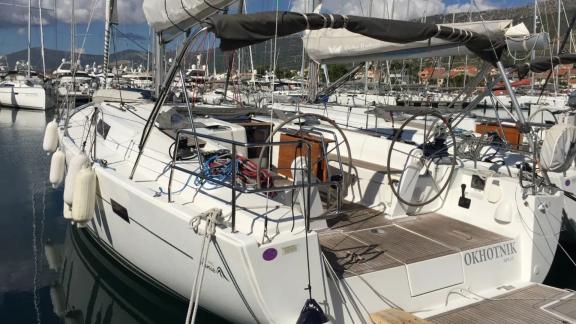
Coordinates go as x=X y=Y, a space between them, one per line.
x=177 y=191
x=220 y=173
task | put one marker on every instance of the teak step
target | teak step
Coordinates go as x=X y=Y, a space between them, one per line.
x=395 y=316
x=532 y=304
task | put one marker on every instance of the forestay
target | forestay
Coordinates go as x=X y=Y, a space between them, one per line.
x=170 y=18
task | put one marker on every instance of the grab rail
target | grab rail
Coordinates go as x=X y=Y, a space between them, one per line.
x=308 y=184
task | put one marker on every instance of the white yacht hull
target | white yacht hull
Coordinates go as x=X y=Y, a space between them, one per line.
x=138 y=224
x=23 y=97
x=162 y=247
x=117 y=95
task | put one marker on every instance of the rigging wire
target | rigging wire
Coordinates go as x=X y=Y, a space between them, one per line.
x=94 y=3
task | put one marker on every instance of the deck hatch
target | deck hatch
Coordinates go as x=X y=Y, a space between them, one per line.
x=523 y=305
x=102 y=128
x=564 y=308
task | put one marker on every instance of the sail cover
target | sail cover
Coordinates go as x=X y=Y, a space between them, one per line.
x=170 y=18
x=543 y=64
x=236 y=31
x=342 y=46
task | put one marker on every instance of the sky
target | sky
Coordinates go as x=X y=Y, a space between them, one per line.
x=57 y=14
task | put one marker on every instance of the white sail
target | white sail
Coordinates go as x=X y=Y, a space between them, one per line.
x=174 y=16
x=340 y=45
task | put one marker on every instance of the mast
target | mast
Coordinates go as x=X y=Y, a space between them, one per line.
x=110 y=12
x=249 y=47
x=558 y=36
x=466 y=57
x=533 y=54
x=149 y=44
x=159 y=62
x=214 y=54
x=450 y=58
x=72 y=37
x=29 y=33
x=231 y=59
x=42 y=38
x=312 y=66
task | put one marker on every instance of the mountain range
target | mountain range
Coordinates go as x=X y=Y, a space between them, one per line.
x=54 y=58
x=289 y=53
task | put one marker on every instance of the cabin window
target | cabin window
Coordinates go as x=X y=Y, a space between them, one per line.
x=120 y=210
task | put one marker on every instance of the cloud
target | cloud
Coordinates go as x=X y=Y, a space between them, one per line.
x=15 y=12
x=479 y=5
x=398 y=9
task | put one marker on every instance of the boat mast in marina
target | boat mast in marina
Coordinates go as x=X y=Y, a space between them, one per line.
x=29 y=36
x=111 y=19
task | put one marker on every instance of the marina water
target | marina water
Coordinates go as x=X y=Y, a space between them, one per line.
x=51 y=272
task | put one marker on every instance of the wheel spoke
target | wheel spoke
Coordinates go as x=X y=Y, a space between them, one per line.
x=429 y=157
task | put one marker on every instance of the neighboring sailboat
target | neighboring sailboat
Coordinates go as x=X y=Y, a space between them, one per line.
x=22 y=88
x=73 y=81
x=107 y=93
x=18 y=91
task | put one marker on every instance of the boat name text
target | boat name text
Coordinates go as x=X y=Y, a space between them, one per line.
x=491 y=253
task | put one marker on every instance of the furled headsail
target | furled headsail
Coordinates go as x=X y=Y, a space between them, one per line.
x=236 y=31
x=170 y=18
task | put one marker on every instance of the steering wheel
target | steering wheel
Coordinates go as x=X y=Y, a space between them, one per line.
x=338 y=142
x=436 y=151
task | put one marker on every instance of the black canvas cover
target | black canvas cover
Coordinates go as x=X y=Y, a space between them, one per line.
x=236 y=31
x=543 y=64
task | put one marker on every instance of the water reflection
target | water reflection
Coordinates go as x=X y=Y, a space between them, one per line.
x=28 y=214
x=92 y=287
x=81 y=283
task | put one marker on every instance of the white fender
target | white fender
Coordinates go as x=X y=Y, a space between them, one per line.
x=84 y=195
x=50 y=143
x=76 y=164
x=67 y=212
x=57 y=168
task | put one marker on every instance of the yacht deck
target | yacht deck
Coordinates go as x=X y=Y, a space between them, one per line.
x=361 y=240
x=532 y=304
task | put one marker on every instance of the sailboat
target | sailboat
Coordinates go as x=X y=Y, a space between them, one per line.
x=73 y=81
x=253 y=214
x=106 y=92
x=21 y=87
x=20 y=92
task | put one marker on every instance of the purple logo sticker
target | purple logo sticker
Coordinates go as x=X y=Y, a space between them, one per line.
x=567 y=183
x=270 y=254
